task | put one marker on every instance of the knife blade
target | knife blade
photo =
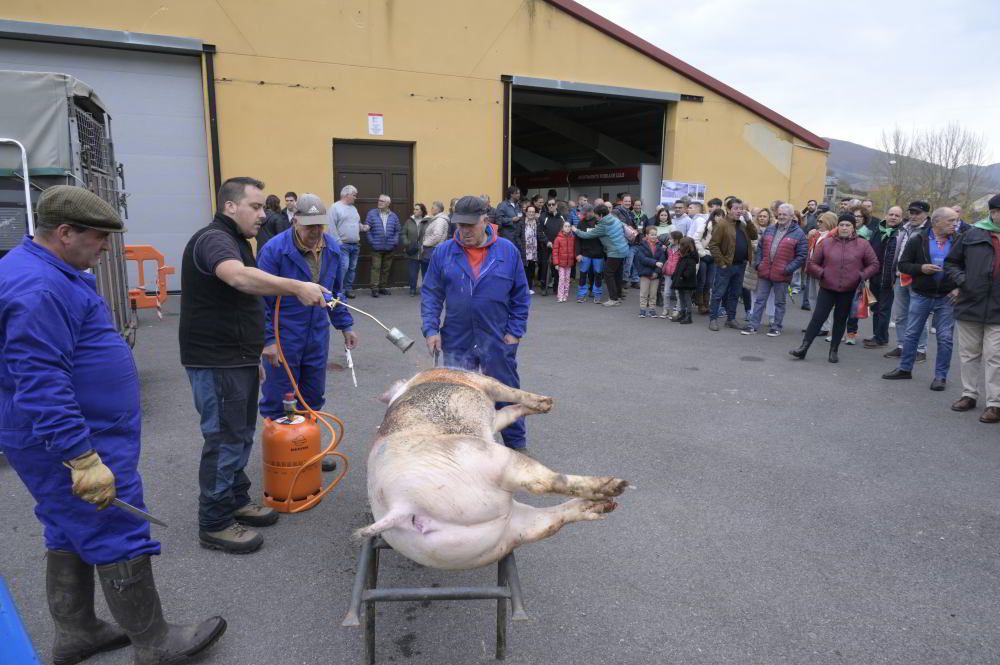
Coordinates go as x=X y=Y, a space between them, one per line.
x=129 y=508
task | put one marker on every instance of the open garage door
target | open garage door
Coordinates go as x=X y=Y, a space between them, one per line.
x=586 y=139
x=155 y=101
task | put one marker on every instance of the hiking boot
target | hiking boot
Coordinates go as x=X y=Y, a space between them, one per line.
x=964 y=404
x=235 y=538
x=713 y=325
x=897 y=374
x=872 y=343
x=731 y=323
x=895 y=353
x=254 y=514
x=132 y=598
x=991 y=415
x=79 y=634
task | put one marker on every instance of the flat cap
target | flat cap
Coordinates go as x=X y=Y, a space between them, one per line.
x=468 y=210
x=67 y=204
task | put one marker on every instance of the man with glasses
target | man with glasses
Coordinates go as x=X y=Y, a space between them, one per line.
x=382 y=227
x=550 y=224
x=782 y=251
x=918 y=221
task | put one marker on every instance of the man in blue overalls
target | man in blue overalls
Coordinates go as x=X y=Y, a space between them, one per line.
x=304 y=252
x=480 y=278
x=70 y=423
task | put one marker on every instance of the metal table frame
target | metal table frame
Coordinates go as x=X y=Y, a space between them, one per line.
x=366 y=591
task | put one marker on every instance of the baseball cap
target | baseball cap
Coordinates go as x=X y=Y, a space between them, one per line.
x=919 y=205
x=468 y=210
x=68 y=204
x=309 y=210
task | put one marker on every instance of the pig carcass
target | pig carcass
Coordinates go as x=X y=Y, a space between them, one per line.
x=441 y=487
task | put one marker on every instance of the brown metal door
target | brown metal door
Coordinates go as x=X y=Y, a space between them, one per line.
x=376 y=167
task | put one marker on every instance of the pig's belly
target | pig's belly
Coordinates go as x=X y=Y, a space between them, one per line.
x=452 y=546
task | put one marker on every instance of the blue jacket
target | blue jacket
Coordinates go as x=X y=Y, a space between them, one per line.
x=67 y=379
x=382 y=241
x=612 y=235
x=480 y=311
x=302 y=325
x=646 y=260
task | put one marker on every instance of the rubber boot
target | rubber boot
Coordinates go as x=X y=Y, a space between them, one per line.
x=833 y=353
x=800 y=353
x=131 y=594
x=69 y=586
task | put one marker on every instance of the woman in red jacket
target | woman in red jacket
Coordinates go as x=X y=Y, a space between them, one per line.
x=839 y=264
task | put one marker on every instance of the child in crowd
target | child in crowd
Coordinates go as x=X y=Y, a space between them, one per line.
x=669 y=267
x=685 y=278
x=564 y=258
x=649 y=263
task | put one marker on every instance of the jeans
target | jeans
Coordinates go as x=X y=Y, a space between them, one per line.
x=631 y=272
x=728 y=286
x=612 y=267
x=883 y=312
x=839 y=302
x=706 y=274
x=921 y=308
x=226 y=400
x=590 y=276
x=381 y=269
x=349 y=264
x=416 y=268
x=765 y=288
x=902 y=295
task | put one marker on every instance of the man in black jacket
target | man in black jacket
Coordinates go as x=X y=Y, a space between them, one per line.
x=974 y=264
x=221 y=340
x=510 y=219
x=550 y=223
x=933 y=291
x=883 y=241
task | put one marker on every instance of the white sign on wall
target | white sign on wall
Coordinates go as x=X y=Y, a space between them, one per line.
x=376 y=124
x=671 y=190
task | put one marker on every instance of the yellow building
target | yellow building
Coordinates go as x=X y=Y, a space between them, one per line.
x=426 y=100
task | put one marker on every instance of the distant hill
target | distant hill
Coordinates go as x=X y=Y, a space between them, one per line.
x=858 y=165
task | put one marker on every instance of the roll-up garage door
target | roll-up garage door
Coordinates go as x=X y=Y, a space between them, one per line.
x=158 y=124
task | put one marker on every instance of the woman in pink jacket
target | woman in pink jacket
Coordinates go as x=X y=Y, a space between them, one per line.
x=839 y=264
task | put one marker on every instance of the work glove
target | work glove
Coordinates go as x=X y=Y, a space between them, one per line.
x=92 y=480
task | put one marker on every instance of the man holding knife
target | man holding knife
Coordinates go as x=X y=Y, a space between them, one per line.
x=70 y=423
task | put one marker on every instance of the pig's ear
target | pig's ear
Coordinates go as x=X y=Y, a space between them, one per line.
x=394 y=391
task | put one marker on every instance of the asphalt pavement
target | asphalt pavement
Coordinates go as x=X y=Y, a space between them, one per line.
x=784 y=512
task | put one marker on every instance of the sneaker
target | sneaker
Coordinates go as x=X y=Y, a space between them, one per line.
x=530 y=292
x=580 y=299
x=749 y=330
x=610 y=303
x=713 y=325
x=921 y=357
x=895 y=353
x=852 y=339
x=254 y=514
x=597 y=300
x=642 y=313
x=235 y=539
x=664 y=314
x=829 y=338
x=617 y=302
x=731 y=323
x=773 y=332
x=872 y=343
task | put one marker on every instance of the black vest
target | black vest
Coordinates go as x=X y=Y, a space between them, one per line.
x=220 y=326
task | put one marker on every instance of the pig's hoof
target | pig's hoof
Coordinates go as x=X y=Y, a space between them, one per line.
x=539 y=404
x=594 y=510
x=609 y=487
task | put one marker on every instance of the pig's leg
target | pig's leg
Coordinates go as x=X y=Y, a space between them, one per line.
x=499 y=392
x=523 y=473
x=529 y=524
x=508 y=415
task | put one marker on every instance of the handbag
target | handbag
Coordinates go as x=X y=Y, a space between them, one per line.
x=865 y=300
x=630 y=231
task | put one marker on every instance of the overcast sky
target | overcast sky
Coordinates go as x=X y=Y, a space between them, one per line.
x=844 y=70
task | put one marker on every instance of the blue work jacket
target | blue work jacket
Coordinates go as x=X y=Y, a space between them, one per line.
x=480 y=310
x=67 y=378
x=301 y=325
x=379 y=239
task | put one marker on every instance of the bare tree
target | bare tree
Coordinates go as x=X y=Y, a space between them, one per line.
x=942 y=166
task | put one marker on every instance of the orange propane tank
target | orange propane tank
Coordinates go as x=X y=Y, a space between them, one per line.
x=287 y=444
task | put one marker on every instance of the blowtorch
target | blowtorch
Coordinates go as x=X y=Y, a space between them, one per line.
x=394 y=335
